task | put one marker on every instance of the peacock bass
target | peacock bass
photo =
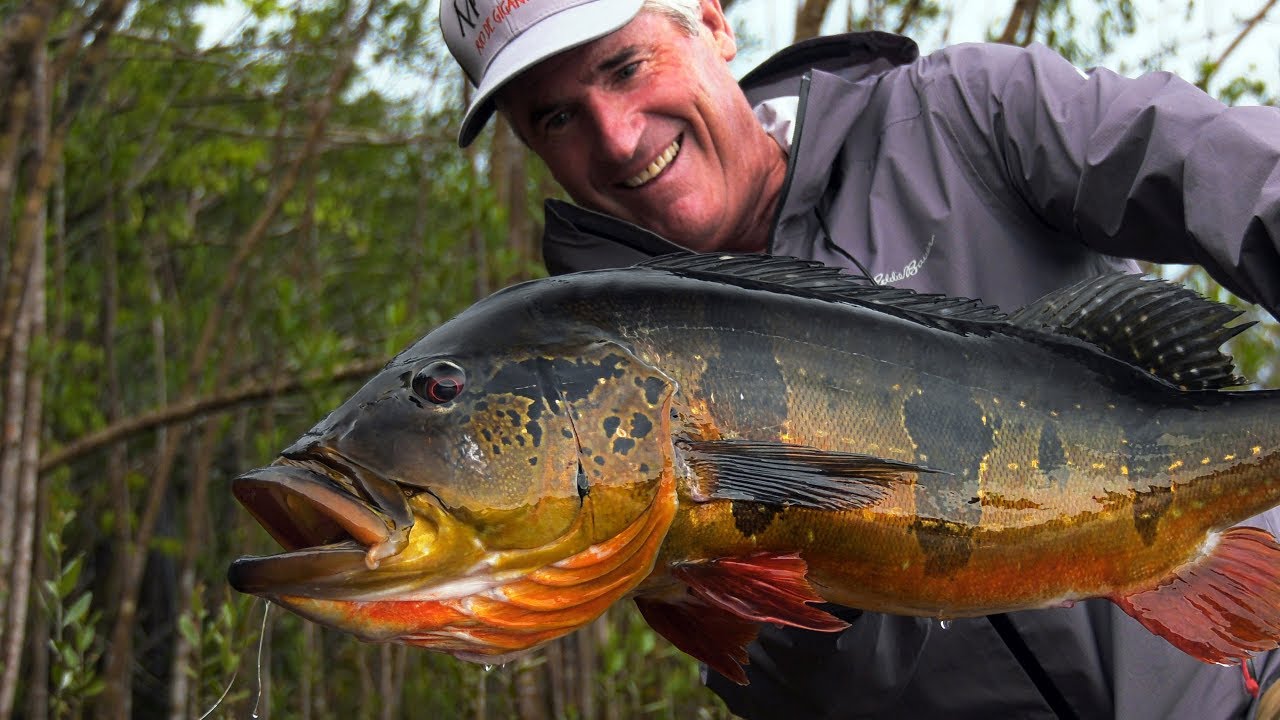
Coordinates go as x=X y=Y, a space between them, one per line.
x=732 y=439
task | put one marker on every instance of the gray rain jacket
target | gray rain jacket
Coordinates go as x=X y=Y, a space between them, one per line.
x=998 y=173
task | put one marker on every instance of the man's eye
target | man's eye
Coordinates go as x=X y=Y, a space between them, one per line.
x=629 y=70
x=556 y=120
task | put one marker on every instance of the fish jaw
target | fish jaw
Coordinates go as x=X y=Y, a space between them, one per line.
x=477 y=606
x=303 y=507
x=338 y=544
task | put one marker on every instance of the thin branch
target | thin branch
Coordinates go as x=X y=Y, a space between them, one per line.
x=197 y=407
x=1249 y=25
x=908 y=14
x=1022 y=16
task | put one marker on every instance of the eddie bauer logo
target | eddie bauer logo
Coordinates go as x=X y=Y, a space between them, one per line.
x=469 y=18
x=911 y=268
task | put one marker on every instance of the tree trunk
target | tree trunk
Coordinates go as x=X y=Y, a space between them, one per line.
x=509 y=177
x=1020 y=27
x=180 y=692
x=23 y=387
x=531 y=698
x=809 y=19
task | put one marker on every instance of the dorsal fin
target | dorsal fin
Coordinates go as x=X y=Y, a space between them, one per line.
x=810 y=278
x=1156 y=325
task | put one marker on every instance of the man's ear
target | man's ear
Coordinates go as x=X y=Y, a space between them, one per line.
x=721 y=31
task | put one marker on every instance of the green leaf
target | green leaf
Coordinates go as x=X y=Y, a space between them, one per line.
x=70 y=575
x=78 y=610
x=189 y=630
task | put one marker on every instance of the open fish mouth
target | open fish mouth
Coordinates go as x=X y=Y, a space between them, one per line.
x=329 y=532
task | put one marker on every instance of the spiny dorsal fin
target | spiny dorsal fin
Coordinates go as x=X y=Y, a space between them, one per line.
x=810 y=278
x=1162 y=327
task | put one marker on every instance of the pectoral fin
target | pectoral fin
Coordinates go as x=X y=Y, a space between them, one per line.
x=785 y=475
x=708 y=634
x=716 y=617
x=1222 y=607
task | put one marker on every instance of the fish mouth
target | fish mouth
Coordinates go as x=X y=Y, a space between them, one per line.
x=329 y=532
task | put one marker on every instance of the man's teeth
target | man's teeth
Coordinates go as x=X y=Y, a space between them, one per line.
x=655 y=167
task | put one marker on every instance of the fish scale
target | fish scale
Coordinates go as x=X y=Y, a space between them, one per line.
x=731 y=439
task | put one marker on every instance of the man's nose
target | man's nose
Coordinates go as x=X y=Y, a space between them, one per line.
x=618 y=129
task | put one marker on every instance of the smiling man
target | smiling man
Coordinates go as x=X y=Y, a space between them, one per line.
x=986 y=171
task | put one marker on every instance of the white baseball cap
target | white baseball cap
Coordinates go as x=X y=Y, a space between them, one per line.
x=494 y=40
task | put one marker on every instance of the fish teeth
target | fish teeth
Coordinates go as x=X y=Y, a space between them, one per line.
x=657 y=166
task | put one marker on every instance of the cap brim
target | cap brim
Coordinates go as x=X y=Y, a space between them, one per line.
x=555 y=34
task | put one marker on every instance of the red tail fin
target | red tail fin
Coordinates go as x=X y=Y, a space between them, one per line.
x=1221 y=607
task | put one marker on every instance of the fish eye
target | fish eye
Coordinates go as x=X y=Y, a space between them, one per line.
x=439 y=382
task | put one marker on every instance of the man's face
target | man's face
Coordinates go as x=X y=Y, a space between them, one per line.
x=647 y=124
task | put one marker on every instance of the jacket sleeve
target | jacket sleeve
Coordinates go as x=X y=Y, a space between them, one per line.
x=1149 y=167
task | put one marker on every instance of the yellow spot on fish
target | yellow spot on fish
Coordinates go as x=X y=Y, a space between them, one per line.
x=896 y=387
x=1053 y=413
x=995 y=400
x=1255 y=449
x=1013 y=466
x=1230 y=457
x=1035 y=464
x=1022 y=403
x=1099 y=466
x=1205 y=461
x=1111 y=406
x=906 y=564
x=1176 y=464
x=1124 y=469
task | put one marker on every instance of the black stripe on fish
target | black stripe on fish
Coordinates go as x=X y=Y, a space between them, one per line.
x=742 y=376
x=946 y=545
x=1052 y=456
x=793 y=475
x=753 y=518
x=960 y=435
x=964 y=440
x=1146 y=451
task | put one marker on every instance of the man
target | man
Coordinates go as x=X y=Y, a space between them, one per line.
x=984 y=171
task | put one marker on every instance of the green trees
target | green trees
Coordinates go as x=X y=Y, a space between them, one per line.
x=206 y=242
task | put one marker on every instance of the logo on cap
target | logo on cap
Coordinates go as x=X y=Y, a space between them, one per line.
x=469 y=18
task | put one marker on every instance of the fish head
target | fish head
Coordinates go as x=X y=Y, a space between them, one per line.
x=474 y=501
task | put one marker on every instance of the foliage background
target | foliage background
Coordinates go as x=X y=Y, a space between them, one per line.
x=207 y=243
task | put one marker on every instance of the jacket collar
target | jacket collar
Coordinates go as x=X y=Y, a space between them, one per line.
x=851 y=56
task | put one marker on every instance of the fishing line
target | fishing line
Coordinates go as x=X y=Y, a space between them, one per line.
x=266 y=608
x=222 y=697
x=231 y=683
